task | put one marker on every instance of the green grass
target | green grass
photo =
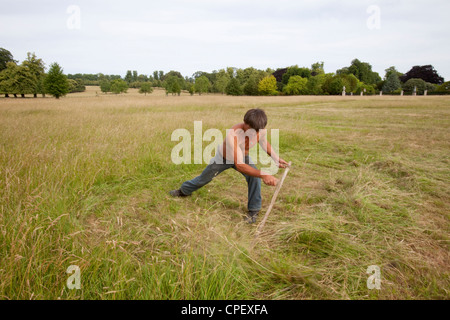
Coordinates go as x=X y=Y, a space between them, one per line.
x=84 y=181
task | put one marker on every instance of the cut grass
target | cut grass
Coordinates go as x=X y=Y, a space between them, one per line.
x=84 y=181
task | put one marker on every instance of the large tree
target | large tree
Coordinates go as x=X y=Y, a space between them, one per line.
x=119 y=86
x=222 y=80
x=233 y=88
x=17 y=80
x=296 y=85
x=426 y=73
x=172 y=84
x=146 y=88
x=37 y=68
x=202 y=85
x=362 y=71
x=5 y=57
x=392 y=83
x=295 y=71
x=268 y=86
x=55 y=82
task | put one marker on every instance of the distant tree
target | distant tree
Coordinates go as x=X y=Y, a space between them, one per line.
x=251 y=86
x=129 y=77
x=233 y=88
x=222 y=80
x=55 y=83
x=142 y=78
x=444 y=88
x=119 y=86
x=190 y=88
x=146 y=87
x=105 y=86
x=172 y=73
x=172 y=84
x=296 y=85
x=156 y=75
x=76 y=86
x=362 y=71
x=21 y=80
x=419 y=84
x=37 y=68
x=366 y=89
x=314 y=85
x=317 y=68
x=391 y=70
x=350 y=82
x=202 y=85
x=295 y=71
x=268 y=86
x=135 y=76
x=392 y=83
x=333 y=85
x=8 y=79
x=426 y=73
x=5 y=57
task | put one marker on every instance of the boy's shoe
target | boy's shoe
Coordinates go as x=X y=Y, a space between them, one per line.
x=177 y=193
x=251 y=216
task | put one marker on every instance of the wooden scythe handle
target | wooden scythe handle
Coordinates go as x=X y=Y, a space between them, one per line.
x=261 y=225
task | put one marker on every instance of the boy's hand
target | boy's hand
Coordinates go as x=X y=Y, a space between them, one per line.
x=282 y=163
x=270 y=180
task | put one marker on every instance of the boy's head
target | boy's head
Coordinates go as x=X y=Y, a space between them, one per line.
x=256 y=119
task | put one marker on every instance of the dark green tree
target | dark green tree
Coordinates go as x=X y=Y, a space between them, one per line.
x=172 y=84
x=129 y=77
x=233 y=88
x=105 y=86
x=146 y=87
x=5 y=57
x=333 y=85
x=391 y=70
x=317 y=68
x=419 y=84
x=37 y=68
x=392 y=83
x=222 y=80
x=119 y=86
x=202 y=85
x=362 y=71
x=251 y=86
x=55 y=83
x=295 y=71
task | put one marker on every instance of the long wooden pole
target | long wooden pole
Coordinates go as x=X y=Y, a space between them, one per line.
x=274 y=197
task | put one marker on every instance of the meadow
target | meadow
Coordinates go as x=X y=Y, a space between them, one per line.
x=84 y=181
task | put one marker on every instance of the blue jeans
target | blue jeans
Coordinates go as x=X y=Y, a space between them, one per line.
x=214 y=168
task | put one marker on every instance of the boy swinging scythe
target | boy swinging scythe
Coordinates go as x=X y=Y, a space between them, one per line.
x=233 y=153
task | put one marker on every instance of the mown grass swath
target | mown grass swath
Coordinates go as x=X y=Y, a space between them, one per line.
x=84 y=181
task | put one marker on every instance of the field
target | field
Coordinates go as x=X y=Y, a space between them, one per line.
x=84 y=181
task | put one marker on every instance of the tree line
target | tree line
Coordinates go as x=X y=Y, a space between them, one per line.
x=29 y=77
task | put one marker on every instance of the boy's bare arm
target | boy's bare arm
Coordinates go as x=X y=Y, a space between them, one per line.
x=267 y=147
x=246 y=169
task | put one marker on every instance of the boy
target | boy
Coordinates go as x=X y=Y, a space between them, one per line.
x=233 y=153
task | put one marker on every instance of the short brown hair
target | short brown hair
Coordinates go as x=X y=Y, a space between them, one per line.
x=256 y=119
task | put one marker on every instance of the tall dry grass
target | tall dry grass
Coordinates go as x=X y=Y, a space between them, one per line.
x=84 y=181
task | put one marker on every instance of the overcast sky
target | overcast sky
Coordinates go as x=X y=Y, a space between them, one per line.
x=112 y=36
